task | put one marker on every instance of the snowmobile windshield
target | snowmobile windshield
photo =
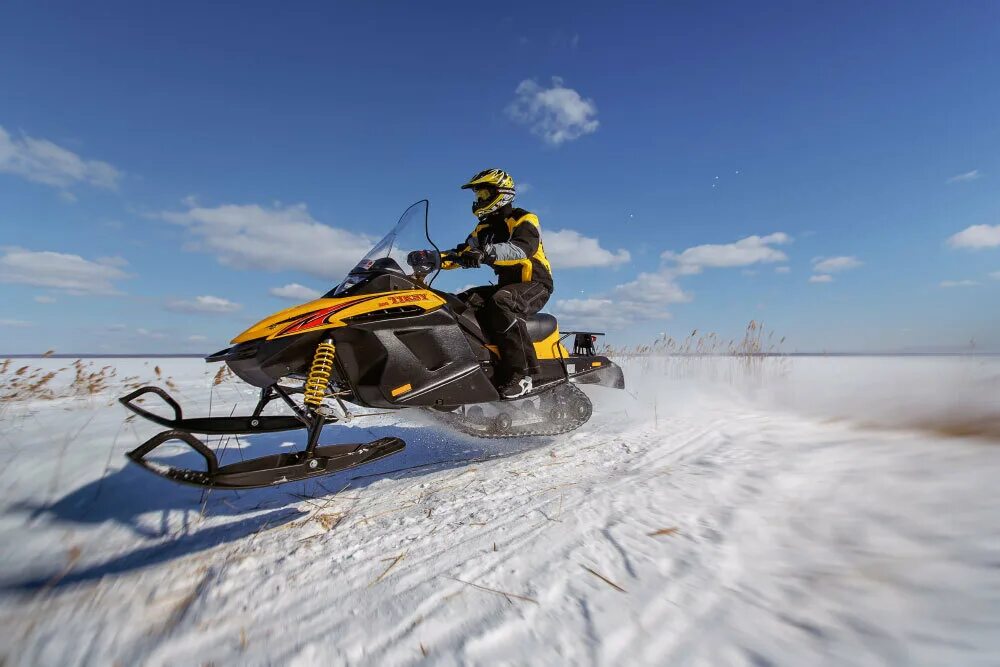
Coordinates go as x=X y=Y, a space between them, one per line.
x=389 y=254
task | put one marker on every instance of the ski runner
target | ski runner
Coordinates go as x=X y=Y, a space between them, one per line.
x=508 y=240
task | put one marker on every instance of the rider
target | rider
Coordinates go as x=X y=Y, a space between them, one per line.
x=509 y=240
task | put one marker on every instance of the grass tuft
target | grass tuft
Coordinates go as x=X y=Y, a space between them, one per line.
x=753 y=355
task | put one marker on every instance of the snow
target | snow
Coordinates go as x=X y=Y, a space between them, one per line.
x=837 y=511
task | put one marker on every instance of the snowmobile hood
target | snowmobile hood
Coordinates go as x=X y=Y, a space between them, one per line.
x=337 y=312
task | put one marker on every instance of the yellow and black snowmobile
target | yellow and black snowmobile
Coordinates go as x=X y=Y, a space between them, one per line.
x=384 y=339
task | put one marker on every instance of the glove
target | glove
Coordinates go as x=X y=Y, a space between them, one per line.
x=470 y=259
x=421 y=259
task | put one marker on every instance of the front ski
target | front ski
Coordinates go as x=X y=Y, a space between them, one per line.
x=255 y=423
x=266 y=470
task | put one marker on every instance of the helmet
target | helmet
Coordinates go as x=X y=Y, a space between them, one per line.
x=494 y=189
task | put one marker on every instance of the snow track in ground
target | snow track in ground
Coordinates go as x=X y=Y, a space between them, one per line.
x=701 y=524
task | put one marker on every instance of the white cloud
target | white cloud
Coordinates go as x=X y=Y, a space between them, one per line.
x=652 y=289
x=273 y=239
x=959 y=283
x=967 y=176
x=650 y=295
x=44 y=298
x=197 y=338
x=69 y=273
x=67 y=196
x=568 y=249
x=204 y=304
x=645 y=298
x=822 y=278
x=605 y=313
x=155 y=335
x=995 y=275
x=747 y=251
x=782 y=269
x=42 y=161
x=16 y=324
x=295 y=292
x=976 y=237
x=835 y=264
x=585 y=308
x=600 y=313
x=557 y=114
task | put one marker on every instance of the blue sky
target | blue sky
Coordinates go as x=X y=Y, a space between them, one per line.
x=830 y=169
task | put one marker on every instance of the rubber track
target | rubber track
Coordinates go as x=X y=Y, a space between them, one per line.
x=567 y=392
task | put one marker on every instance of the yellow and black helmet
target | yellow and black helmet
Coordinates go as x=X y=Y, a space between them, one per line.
x=494 y=189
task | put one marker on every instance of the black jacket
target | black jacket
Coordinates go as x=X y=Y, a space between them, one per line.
x=511 y=242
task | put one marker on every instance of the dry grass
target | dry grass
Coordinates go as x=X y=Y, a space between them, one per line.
x=604 y=579
x=72 y=556
x=29 y=383
x=709 y=356
x=756 y=342
x=393 y=564
x=223 y=374
x=957 y=425
x=494 y=590
x=79 y=379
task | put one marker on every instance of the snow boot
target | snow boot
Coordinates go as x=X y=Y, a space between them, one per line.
x=518 y=385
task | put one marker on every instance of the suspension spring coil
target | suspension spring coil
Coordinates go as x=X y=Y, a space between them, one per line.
x=319 y=374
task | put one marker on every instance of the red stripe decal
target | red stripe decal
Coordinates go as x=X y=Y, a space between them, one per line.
x=318 y=318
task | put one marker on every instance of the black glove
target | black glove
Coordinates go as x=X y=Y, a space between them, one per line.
x=471 y=259
x=423 y=261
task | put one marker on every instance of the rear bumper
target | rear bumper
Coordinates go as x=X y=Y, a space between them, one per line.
x=595 y=370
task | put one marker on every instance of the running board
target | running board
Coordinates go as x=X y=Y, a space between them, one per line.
x=595 y=370
x=266 y=470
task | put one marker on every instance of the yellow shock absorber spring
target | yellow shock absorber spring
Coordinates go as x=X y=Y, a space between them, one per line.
x=319 y=374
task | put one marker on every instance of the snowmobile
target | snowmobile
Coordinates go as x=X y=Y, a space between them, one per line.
x=382 y=339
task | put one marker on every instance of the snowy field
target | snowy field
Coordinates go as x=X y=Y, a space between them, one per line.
x=806 y=511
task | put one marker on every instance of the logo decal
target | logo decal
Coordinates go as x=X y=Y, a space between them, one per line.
x=408 y=298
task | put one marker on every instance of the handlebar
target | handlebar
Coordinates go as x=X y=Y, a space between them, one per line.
x=424 y=262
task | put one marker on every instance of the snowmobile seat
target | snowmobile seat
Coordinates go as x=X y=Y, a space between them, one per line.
x=541 y=326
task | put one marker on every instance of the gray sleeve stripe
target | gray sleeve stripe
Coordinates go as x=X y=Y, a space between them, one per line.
x=505 y=252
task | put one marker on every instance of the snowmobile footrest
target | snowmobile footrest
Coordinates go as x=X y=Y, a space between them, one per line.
x=209 y=425
x=266 y=470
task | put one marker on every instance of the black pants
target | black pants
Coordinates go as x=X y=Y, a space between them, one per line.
x=502 y=312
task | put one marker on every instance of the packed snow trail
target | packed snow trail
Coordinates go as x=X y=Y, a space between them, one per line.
x=706 y=520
